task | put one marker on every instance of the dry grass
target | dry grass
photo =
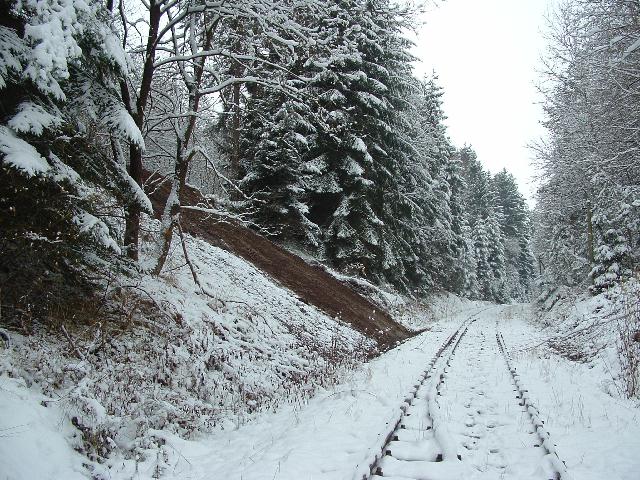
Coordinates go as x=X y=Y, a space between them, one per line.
x=628 y=343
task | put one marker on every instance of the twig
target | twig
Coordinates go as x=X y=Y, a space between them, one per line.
x=71 y=342
x=137 y=287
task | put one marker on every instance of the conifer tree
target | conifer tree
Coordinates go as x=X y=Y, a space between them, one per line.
x=274 y=148
x=482 y=253
x=470 y=288
x=457 y=275
x=59 y=71
x=355 y=154
x=496 y=257
x=428 y=175
x=515 y=227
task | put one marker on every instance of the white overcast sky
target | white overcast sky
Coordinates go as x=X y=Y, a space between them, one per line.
x=486 y=54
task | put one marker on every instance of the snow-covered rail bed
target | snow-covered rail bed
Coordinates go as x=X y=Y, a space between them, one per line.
x=486 y=416
x=414 y=441
x=522 y=394
x=335 y=435
x=465 y=421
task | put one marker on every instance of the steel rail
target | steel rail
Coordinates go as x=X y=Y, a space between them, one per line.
x=543 y=434
x=392 y=434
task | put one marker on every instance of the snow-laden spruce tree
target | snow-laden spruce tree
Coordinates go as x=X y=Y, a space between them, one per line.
x=457 y=273
x=274 y=148
x=616 y=226
x=498 y=223
x=275 y=138
x=613 y=261
x=477 y=195
x=430 y=186
x=483 y=215
x=61 y=114
x=469 y=262
x=515 y=227
x=496 y=255
x=361 y=156
x=482 y=254
x=355 y=154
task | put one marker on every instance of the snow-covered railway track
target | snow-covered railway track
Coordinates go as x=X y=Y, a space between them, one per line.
x=487 y=422
x=464 y=419
x=417 y=442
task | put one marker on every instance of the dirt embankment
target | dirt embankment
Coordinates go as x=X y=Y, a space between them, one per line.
x=310 y=283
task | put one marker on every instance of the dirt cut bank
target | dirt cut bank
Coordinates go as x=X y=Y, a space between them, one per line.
x=311 y=283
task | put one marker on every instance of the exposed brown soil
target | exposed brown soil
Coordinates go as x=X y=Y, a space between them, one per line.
x=312 y=284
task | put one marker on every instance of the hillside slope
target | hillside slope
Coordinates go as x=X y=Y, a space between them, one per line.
x=99 y=396
x=311 y=283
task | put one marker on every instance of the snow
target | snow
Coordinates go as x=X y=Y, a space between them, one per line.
x=20 y=154
x=325 y=439
x=51 y=38
x=136 y=190
x=11 y=48
x=371 y=100
x=120 y=119
x=334 y=96
x=274 y=406
x=596 y=432
x=35 y=441
x=352 y=167
x=113 y=48
x=358 y=144
x=203 y=363
x=92 y=225
x=32 y=118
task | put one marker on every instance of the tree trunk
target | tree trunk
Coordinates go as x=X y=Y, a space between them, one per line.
x=171 y=214
x=235 y=133
x=590 y=248
x=132 y=214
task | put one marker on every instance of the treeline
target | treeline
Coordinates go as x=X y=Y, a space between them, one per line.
x=588 y=211
x=361 y=173
x=305 y=114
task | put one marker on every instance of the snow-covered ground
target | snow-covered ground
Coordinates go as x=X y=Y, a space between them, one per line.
x=342 y=423
x=247 y=382
x=598 y=436
x=596 y=432
x=171 y=361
